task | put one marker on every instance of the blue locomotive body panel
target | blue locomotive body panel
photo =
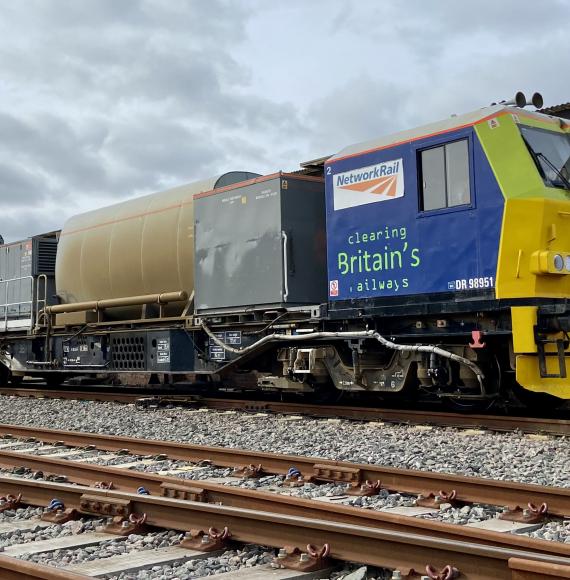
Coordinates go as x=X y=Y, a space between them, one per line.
x=381 y=243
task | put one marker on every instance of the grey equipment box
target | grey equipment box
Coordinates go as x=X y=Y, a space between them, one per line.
x=20 y=265
x=261 y=243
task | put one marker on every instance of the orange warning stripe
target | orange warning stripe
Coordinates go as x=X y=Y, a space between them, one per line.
x=520 y=113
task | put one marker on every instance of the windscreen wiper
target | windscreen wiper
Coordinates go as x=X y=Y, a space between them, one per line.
x=534 y=157
x=554 y=168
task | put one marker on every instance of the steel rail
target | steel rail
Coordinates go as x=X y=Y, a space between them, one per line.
x=472 y=489
x=529 y=570
x=366 y=545
x=15 y=569
x=101 y=396
x=169 y=486
x=408 y=416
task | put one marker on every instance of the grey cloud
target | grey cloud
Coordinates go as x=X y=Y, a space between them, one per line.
x=102 y=99
x=49 y=144
x=153 y=148
x=361 y=109
x=20 y=187
x=442 y=20
x=458 y=58
x=33 y=221
x=125 y=97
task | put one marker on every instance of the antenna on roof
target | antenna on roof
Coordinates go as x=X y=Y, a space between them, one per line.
x=520 y=100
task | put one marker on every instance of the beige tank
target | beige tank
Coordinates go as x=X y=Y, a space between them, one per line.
x=137 y=247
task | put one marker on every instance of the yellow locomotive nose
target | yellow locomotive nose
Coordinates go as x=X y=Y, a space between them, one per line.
x=534 y=264
x=534 y=258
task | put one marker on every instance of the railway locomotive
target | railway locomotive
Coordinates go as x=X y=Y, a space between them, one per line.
x=434 y=262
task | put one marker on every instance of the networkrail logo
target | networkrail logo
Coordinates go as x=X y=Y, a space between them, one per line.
x=380 y=182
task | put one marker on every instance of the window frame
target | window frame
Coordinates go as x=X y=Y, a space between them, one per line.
x=442 y=142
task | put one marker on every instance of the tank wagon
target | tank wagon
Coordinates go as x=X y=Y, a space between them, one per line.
x=435 y=261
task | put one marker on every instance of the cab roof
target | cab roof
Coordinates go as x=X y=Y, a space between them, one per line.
x=450 y=124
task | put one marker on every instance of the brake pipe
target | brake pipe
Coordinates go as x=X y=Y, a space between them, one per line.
x=370 y=334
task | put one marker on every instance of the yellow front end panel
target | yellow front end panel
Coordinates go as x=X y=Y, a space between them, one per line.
x=535 y=237
x=528 y=376
x=524 y=319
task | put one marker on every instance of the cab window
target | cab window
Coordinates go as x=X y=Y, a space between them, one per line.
x=551 y=154
x=444 y=176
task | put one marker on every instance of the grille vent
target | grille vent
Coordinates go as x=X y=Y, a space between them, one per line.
x=128 y=353
x=45 y=253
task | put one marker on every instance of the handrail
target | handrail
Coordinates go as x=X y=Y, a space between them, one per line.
x=285 y=266
x=43 y=301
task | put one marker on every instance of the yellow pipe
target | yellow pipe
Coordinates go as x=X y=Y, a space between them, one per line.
x=164 y=298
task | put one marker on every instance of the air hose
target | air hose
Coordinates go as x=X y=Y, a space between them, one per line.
x=370 y=334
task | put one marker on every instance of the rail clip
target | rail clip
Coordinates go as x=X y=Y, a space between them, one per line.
x=366 y=489
x=56 y=513
x=120 y=526
x=312 y=560
x=248 y=471
x=447 y=573
x=531 y=515
x=10 y=502
x=294 y=478
x=435 y=500
x=104 y=485
x=209 y=541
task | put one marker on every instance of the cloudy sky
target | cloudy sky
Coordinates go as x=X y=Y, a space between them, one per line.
x=106 y=99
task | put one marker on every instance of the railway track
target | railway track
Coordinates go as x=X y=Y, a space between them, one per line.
x=122 y=482
x=404 y=551
x=470 y=489
x=211 y=492
x=552 y=426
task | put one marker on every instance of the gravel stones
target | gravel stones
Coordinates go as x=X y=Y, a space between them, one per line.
x=230 y=560
x=20 y=514
x=502 y=456
x=113 y=547
x=556 y=531
x=383 y=500
x=468 y=514
x=27 y=473
x=46 y=533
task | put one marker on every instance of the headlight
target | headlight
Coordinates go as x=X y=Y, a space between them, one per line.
x=548 y=262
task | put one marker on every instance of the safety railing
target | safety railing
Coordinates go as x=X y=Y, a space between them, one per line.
x=5 y=304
